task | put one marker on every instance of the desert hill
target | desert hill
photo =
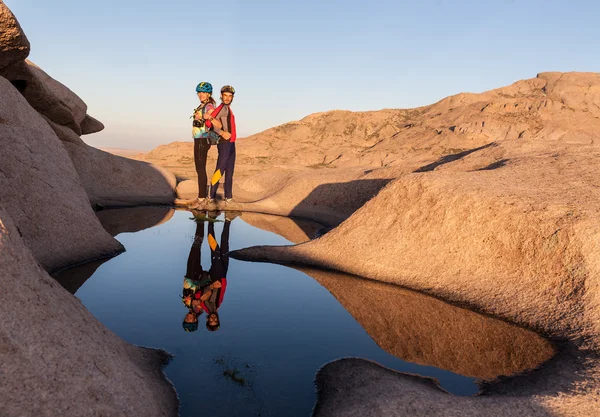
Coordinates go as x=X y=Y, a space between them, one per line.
x=539 y=109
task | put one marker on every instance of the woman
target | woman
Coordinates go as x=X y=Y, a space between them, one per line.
x=201 y=144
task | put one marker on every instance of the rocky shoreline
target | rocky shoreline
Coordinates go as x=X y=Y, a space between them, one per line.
x=55 y=357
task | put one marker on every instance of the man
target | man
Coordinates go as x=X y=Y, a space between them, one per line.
x=213 y=293
x=223 y=122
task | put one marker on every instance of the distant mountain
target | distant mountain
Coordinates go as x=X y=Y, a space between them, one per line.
x=545 y=107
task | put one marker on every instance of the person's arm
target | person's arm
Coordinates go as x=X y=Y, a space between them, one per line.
x=209 y=108
x=218 y=124
x=214 y=121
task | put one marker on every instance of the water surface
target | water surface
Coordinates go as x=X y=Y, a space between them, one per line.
x=278 y=325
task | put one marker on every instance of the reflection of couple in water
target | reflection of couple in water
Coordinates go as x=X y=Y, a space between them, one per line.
x=203 y=291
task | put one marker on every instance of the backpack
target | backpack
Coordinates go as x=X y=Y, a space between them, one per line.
x=199 y=126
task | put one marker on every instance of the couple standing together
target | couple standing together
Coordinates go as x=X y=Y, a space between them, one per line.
x=214 y=126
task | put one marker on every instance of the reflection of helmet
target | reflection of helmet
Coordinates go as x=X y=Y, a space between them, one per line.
x=204 y=87
x=190 y=327
x=227 y=89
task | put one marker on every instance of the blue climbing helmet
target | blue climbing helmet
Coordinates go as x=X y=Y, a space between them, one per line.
x=204 y=87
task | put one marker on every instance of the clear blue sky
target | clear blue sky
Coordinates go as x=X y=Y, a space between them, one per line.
x=136 y=63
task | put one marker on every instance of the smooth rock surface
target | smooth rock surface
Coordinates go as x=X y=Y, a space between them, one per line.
x=56 y=359
x=111 y=180
x=48 y=96
x=41 y=190
x=187 y=189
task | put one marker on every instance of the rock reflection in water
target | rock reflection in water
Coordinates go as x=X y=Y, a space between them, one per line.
x=427 y=331
x=133 y=219
x=115 y=222
x=294 y=230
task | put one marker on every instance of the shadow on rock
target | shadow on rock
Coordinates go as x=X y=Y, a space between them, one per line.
x=451 y=158
x=332 y=203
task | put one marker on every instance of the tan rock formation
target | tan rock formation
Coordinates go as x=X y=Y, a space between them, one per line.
x=542 y=108
x=477 y=231
x=325 y=196
x=523 y=249
x=41 y=190
x=355 y=387
x=57 y=359
x=187 y=189
x=495 y=208
x=178 y=157
x=111 y=180
x=14 y=46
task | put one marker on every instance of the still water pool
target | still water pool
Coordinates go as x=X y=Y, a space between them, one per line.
x=275 y=326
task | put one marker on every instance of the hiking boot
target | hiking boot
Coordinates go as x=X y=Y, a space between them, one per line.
x=211 y=204
x=200 y=203
x=195 y=205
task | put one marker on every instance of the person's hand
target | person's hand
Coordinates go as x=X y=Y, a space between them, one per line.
x=216 y=284
x=206 y=295
x=226 y=135
x=207 y=115
x=198 y=115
